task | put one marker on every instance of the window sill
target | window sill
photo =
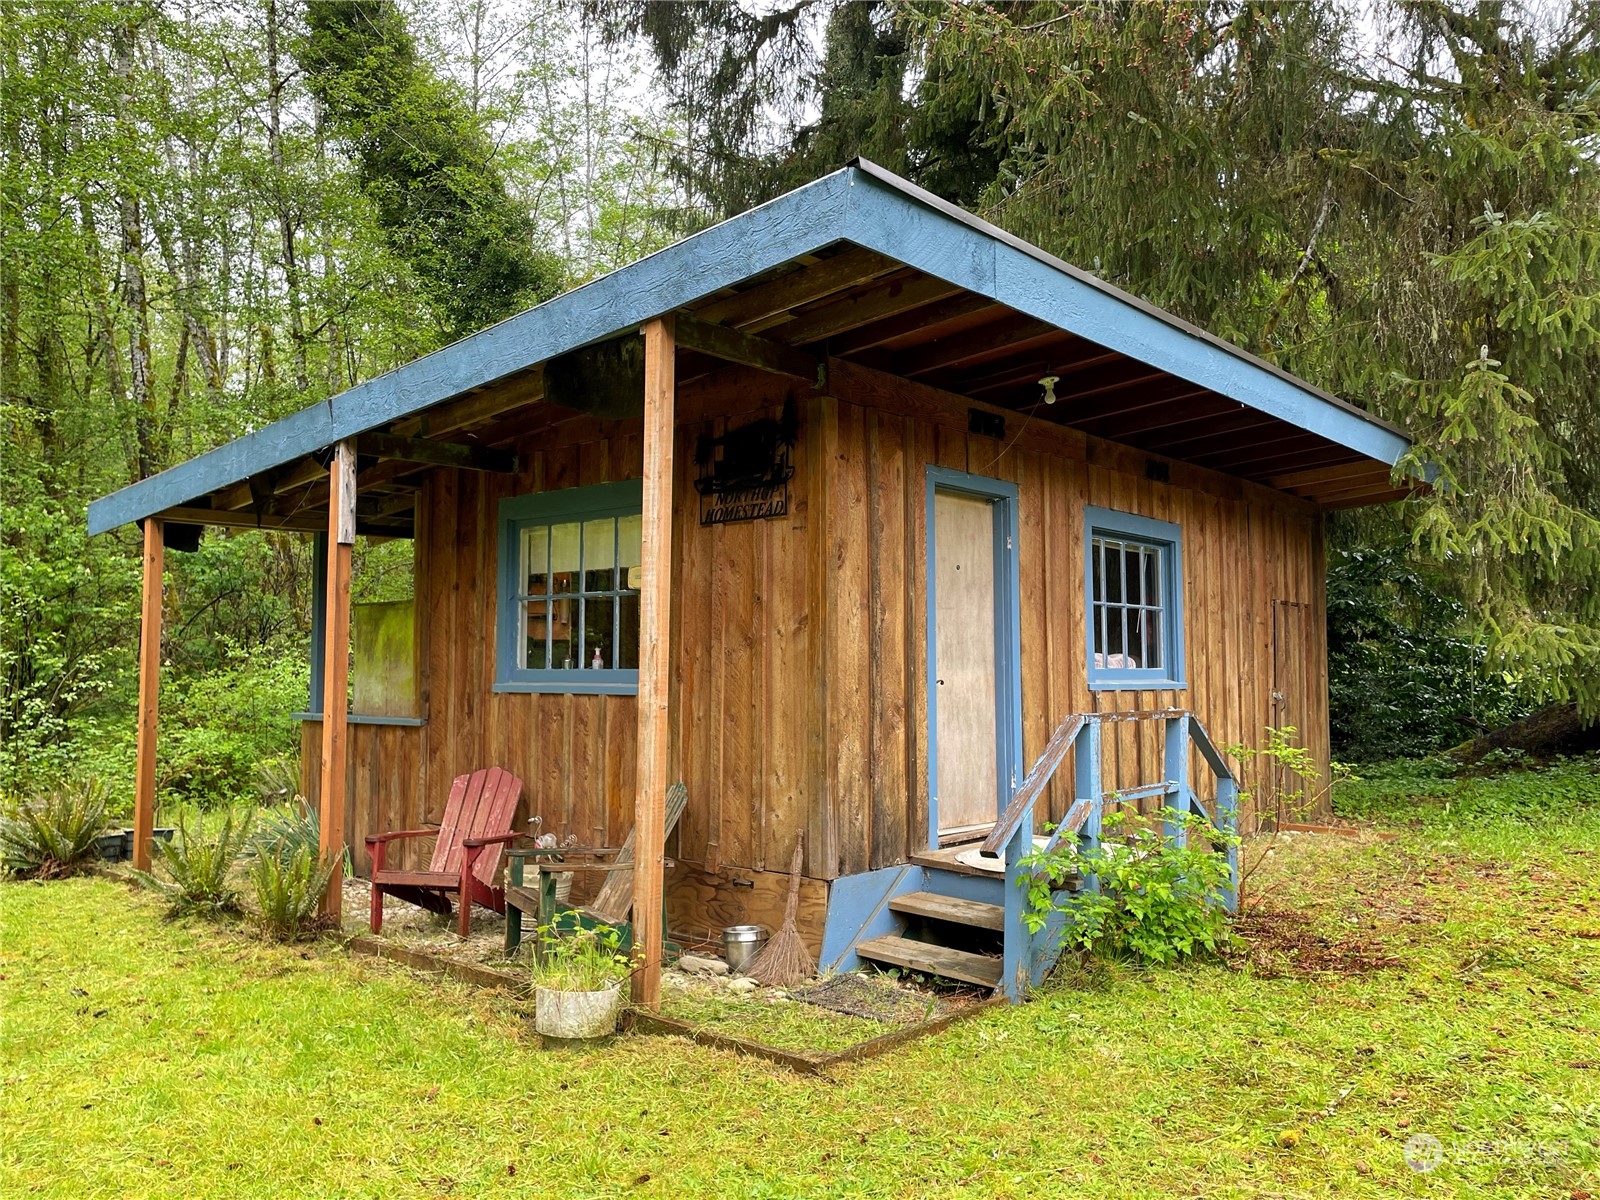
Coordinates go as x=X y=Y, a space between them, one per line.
x=365 y=719
x=1138 y=685
x=556 y=687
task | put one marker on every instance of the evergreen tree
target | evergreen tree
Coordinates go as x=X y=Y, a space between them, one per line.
x=1399 y=202
x=427 y=164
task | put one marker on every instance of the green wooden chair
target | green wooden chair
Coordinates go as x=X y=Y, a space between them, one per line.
x=612 y=905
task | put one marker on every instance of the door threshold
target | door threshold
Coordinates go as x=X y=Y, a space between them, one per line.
x=968 y=833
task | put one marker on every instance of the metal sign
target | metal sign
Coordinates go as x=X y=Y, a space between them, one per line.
x=744 y=474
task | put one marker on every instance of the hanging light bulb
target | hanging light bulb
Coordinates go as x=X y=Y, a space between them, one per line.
x=1048 y=383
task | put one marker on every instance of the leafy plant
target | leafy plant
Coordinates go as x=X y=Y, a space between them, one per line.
x=283 y=832
x=201 y=867
x=1148 y=896
x=1290 y=790
x=56 y=834
x=226 y=723
x=278 y=779
x=1408 y=671
x=582 y=960
x=288 y=882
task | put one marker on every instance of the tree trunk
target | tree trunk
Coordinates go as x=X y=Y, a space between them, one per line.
x=1555 y=730
x=280 y=200
x=134 y=297
x=103 y=325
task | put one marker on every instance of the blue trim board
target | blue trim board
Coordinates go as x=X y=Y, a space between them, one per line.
x=1008 y=633
x=618 y=499
x=366 y=719
x=319 y=618
x=1173 y=675
x=858 y=910
x=799 y=222
x=862 y=204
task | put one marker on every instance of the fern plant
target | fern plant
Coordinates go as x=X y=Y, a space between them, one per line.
x=54 y=835
x=283 y=832
x=201 y=867
x=287 y=831
x=288 y=885
x=278 y=779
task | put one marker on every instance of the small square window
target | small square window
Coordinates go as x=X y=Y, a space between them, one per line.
x=569 y=590
x=1134 y=601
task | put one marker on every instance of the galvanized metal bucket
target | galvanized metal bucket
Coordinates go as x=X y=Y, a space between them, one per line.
x=741 y=943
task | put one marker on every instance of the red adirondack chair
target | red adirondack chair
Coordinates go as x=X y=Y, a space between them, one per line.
x=466 y=857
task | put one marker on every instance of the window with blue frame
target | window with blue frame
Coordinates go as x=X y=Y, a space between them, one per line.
x=570 y=576
x=1134 y=574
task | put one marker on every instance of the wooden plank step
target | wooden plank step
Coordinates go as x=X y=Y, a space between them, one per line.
x=951 y=908
x=945 y=860
x=933 y=960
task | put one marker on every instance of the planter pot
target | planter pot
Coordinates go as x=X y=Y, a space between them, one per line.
x=164 y=833
x=576 y=1016
x=116 y=846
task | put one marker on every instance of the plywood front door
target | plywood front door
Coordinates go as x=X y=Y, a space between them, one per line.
x=965 y=668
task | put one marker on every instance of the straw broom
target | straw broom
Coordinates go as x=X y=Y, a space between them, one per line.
x=784 y=961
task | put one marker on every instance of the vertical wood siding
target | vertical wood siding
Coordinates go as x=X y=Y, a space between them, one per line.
x=799 y=689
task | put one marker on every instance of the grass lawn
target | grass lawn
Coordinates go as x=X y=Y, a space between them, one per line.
x=1443 y=983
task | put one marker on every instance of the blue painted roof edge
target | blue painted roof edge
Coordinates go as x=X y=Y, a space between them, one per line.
x=986 y=259
x=901 y=221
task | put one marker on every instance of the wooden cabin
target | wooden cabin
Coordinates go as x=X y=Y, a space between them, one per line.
x=891 y=533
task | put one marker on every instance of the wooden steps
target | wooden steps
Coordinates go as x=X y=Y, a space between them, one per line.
x=945 y=860
x=952 y=909
x=980 y=969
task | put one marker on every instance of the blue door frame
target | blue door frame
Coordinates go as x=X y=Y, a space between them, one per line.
x=1007 y=634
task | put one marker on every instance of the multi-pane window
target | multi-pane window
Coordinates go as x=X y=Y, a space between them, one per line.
x=571 y=573
x=1127 y=603
x=1134 y=601
x=580 y=605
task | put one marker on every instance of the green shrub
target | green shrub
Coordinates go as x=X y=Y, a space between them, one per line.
x=1408 y=671
x=1156 y=901
x=219 y=727
x=54 y=835
x=201 y=867
x=581 y=960
x=288 y=883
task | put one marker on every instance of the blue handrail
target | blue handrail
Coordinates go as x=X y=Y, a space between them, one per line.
x=1029 y=955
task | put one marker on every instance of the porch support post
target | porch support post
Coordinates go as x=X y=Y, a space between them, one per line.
x=655 y=659
x=336 y=669
x=1177 y=764
x=144 y=781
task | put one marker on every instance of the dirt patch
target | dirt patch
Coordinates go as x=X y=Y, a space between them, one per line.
x=407 y=925
x=1278 y=942
x=873 y=997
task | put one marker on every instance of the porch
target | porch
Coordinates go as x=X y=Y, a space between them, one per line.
x=960 y=911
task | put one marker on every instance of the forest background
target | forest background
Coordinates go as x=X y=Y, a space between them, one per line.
x=215 y=212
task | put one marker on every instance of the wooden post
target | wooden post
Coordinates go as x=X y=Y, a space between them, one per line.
x=1177 y=771
x=144 y=780
x=655 y=659
x=336 y=668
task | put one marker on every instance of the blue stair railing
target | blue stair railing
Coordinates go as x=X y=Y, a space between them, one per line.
x=1028 y=954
